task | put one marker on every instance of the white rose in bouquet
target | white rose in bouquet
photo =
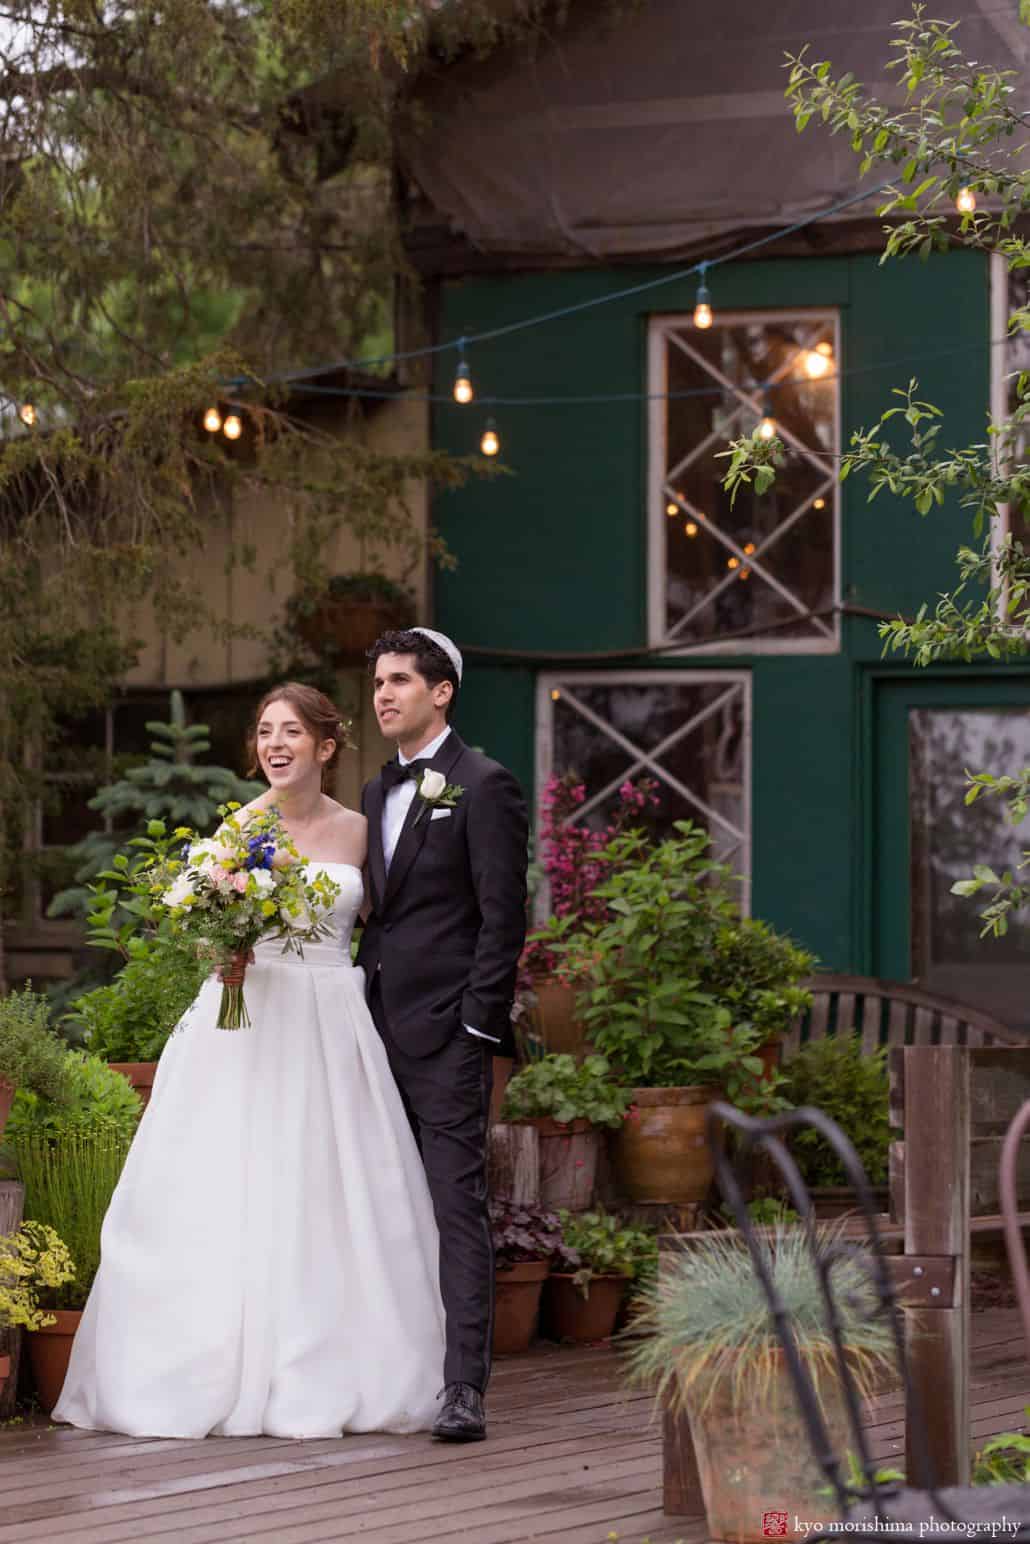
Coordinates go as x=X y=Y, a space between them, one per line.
x=262 y=881
x=180 y=892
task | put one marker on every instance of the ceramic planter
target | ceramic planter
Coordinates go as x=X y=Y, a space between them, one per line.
x=661 y=1153
x=571 y=1316
x=560 y=1030
x=568 y=1163
x=753 y=1457
x=517 y=1305
x=49 y=1351
x=140 y=1075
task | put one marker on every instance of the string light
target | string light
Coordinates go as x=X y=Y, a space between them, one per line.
x=703 y=314
x=490 y=444
x=767 y=428
x=555 y=694
x=745 y=573
x=818 y=503
x=818 y=361
x=690 y=528
x=672 y=509
x=965 y=201
x=28 y=415
x=232 y=428
x=749 y=547
x=463 y=389
x=732 y=562
x=212 y=420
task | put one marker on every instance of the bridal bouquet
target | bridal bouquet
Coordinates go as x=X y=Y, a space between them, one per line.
x=223 y=893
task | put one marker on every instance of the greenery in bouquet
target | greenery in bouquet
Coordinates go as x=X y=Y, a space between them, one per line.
x=851 y=1086
x=130 y=1018
x=33 y=1260
x=559 y=1087
x=219 y=894
x=32 y=1056
x=527 y=1233
x=607 y=1247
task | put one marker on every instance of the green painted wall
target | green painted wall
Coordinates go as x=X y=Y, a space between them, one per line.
x=552 y=555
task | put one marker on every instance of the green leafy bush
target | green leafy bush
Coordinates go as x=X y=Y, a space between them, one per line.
x=131 y=1017
x=98 y=1100
x=851 y=1087
x=68 y=1187
x=606 y=1247
x=754 y=972
x=1004 y=1459
x=565 y=1090
x=31 y=1055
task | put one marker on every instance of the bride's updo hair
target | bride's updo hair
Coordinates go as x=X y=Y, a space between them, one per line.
x=320 y=717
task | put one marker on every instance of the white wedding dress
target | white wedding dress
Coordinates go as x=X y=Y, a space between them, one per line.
x=270 y=1257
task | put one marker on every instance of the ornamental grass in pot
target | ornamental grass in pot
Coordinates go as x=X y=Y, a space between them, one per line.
x=707 y=1343
x=583 y=1304
x=570 y=1103
x=526 y=1240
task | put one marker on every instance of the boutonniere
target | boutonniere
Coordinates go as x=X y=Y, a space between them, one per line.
x=436 y=793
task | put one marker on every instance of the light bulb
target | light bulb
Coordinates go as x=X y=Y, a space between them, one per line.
x=817 y=363
x=745 y=573
x=490 y=444
x=672 y=509
x=232 y=428
x=27 y=413
x=749 y=547
x=555 y=694
x=732 y=562
x=690 y=528
x=965 y=201
x=767 y=428
x=703 y=315
x=463 y=391
x=818 y=503
x=212 y=420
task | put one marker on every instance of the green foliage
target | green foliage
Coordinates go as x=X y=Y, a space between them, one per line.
x=172 y=785
x=754 y=972
x=607 y=1248
x=131 y=1017
x=566 y=1090
x=851 y=1087
x=959 y=125
x=68 y=1187
x=522 y=1234
x=99 y=1100
x=647 y=1003
x=706 y=1322
x=31 y=1055
x=1005 y=1459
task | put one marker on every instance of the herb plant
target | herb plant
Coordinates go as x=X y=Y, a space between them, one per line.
x=566 y=1090
x=851 y=1087
x=31 y=1056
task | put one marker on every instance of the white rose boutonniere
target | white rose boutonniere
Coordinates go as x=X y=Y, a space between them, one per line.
x=436 y=793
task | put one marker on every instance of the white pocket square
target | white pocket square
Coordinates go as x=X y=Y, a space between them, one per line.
x=441 y=814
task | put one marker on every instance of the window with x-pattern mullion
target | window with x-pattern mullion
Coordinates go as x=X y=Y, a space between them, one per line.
x=762 y=572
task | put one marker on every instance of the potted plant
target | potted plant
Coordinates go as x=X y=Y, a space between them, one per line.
x=128 y=1020
x=647 y=1010
x=341 y=621
x=33 y=1261
x=526 y=1240
x=583 y=1304
x=31 y=1055
x=851 y=1086
x=711 y=1350
x=569 y=1103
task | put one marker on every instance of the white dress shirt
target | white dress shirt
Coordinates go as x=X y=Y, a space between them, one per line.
x=395 y=810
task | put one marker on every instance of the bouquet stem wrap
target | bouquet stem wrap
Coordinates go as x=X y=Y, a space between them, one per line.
x=232 y=1013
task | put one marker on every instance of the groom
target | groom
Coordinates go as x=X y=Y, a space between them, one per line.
x=447 y=855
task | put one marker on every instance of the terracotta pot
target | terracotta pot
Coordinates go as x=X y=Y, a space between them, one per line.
x=49 y=1350
x=757 y=1473
x=517 y=1305
x=348 y=626
x=560 y=1030
x=571 y=1316
x=5 y=1371
x=139 y=1074
x=568 y=1162
x=502 y=1072
x=7 y=1093
x=660 y=1150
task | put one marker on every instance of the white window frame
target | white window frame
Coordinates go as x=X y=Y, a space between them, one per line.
x=999 y=405
x=657 y=523
x=567 y=679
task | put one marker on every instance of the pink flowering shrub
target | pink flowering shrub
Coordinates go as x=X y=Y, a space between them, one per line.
x=570 y=859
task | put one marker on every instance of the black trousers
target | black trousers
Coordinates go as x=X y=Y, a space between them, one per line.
x=447 y=1099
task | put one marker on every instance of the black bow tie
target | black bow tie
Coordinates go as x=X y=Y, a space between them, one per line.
x=393 y=774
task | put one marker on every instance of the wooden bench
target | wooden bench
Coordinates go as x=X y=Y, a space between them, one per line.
x=890 y=1013
x=953 y=1104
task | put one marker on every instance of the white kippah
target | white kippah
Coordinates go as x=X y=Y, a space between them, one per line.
x=445 y=644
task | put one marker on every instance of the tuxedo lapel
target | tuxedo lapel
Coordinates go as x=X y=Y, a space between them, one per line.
x=413 y=831
x=376 y=861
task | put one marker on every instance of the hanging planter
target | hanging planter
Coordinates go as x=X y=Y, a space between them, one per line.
x=343 y=621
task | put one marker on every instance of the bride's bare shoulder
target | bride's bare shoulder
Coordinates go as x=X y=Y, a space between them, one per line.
x=349 y=830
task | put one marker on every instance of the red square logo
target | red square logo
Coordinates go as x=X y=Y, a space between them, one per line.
x=774 y=1525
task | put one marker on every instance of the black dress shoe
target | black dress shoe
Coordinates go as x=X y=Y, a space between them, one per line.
x=462 y=1418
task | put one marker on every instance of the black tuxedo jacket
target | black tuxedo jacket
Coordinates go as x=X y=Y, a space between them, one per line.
x=448 y=924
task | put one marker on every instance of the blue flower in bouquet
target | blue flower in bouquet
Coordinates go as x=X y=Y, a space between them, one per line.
x=260 y=853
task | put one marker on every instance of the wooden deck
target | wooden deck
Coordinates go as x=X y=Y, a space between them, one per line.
x=571 y=1458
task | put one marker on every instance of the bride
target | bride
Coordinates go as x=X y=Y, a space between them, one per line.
x=270 y=1258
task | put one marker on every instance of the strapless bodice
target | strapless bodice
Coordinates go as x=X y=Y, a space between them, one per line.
x=334 y=949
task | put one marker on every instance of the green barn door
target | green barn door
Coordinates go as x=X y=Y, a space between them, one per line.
x=927 y=733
